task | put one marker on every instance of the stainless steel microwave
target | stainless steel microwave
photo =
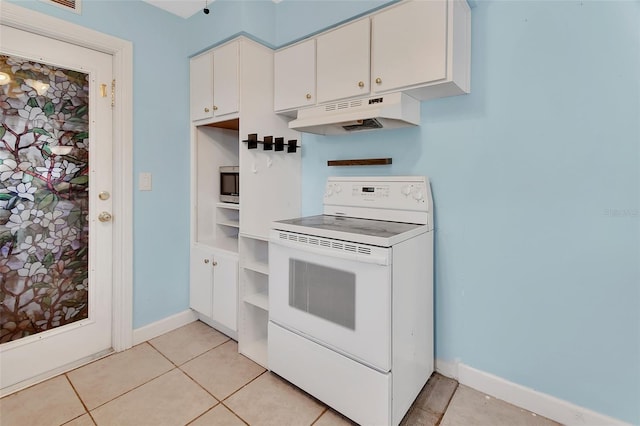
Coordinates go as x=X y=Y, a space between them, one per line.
x=230 y=184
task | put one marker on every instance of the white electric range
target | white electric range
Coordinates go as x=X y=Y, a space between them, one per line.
x=351 y=297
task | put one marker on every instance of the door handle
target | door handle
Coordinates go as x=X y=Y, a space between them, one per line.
x=105 y=217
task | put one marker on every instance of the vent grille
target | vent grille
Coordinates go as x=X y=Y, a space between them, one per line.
x=73 y=5
x=343 y=105
x=329 y=244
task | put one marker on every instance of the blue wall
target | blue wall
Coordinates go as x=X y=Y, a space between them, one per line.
x=535 y=176
x=536 y=186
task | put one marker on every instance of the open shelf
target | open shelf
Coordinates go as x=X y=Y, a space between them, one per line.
x=256 y=351
x=230 y=206
x=256 y=266
x=254 y=340
x=230 y=224
x=259 y=300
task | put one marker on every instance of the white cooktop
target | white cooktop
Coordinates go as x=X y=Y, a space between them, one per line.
x=381 y=211
x=364 y=231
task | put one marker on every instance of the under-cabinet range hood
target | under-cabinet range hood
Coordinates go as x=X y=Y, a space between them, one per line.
x=387 y=111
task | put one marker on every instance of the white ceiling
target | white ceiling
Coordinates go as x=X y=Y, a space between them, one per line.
x=184 y=8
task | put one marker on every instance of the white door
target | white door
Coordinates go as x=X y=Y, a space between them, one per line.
x=201 y=86
x=225 y=289
x=226 y=79
x=295 y=76
x=343 y=65
x=55 y=204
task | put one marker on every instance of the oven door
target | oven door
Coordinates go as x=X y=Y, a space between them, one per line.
x=335 y=293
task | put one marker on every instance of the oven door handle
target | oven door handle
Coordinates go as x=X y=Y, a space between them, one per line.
x=382 y=256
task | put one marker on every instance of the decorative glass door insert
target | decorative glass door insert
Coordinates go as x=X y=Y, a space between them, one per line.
x=44 y=188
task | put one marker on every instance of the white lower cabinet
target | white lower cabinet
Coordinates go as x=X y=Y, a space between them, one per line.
x=214 y=286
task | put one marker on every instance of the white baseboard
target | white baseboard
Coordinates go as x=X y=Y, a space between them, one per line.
x=165 y=325
x=545 y=405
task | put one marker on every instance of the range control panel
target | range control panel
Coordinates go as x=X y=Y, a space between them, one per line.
x=403 y=193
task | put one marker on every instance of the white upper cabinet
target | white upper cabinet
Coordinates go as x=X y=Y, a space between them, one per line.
x=214 y=82
x=422 y=48
x=226 y=81
x=201 y=86
x=409 y=45
x=295 y=76
x=343 y=62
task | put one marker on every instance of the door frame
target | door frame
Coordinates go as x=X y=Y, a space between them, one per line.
x=122 y=53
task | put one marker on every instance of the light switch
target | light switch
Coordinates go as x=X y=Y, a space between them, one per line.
x=144 y=181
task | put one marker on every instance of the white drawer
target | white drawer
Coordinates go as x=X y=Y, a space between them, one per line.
x=356 y=391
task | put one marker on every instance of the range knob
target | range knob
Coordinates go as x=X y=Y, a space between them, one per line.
x=337 y=188
x=329 y=191
x=406 y=190
x=418 y=195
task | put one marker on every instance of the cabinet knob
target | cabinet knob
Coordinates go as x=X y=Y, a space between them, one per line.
x=206 y=110
x=215 y=263
x=206 y=261
x=378 y=80
x=308 y=96
x=215 y=108
x=361 y=84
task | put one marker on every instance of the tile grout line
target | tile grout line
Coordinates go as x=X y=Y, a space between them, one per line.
x=81 y=402
x=124 y=393
x=190 y=359
x=132 y=389
x=326 y=408
x=448 y=403
x=238 y=390
x=218 y=401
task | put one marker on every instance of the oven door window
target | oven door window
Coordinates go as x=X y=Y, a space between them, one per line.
x=323 y=291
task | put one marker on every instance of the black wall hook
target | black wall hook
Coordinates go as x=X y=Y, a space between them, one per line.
x=271 y=144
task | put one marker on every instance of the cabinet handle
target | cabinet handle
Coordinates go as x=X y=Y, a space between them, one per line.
x=206 y=110
x=361 y=84
x=215 y=108
x=308 y=96
x=378 y=80
x=206 y=261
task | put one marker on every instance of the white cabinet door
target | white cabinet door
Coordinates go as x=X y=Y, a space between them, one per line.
x=201 y=280
x=201 y=86
x=213 y=289
x=343 y=62
x=225 y=289
x=409 y=45
x=295 y=76
x=226 y=80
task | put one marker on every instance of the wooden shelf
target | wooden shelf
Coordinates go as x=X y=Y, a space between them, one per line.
x=360 y=162
x=233 y=124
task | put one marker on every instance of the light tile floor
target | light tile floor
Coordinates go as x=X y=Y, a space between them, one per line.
x=195 y=376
